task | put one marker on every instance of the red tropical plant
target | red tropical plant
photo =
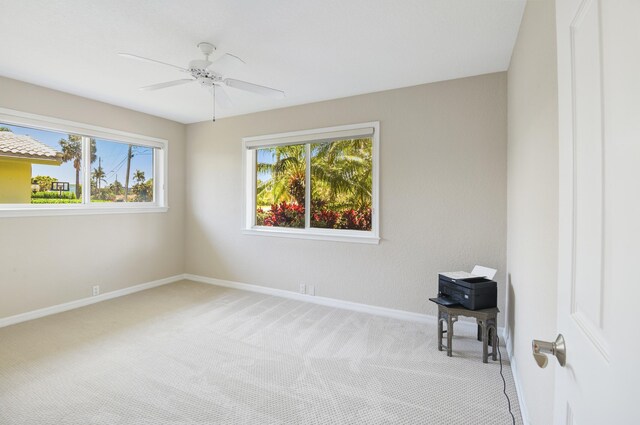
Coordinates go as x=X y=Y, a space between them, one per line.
x=292 y=215
x=327 y=219
x=356 y=219
x=282 y=215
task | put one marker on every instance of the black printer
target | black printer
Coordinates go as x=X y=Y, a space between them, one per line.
x=474 y=293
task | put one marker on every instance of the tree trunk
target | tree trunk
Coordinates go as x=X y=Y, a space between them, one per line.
x=77 y=183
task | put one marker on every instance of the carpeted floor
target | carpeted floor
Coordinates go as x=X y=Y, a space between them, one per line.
x=191 y=353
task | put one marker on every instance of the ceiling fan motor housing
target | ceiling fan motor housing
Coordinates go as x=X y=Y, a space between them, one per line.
x=201 y=64
x=205 y=77
x=198 y=67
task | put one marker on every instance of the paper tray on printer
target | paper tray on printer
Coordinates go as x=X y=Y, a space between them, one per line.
x=447 y=302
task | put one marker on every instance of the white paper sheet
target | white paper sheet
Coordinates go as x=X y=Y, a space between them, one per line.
x=484 y=272
x=458 y=275
x=478 y=271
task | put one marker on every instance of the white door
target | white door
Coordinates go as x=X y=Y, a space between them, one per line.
x=599 y=257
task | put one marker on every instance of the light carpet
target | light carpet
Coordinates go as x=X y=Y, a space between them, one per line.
x=191 y=353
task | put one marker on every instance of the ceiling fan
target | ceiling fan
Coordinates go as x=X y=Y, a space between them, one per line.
x=202 y=71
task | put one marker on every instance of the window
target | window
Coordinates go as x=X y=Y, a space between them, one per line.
x=50 y=166
x=317 y=184
x=121 y=172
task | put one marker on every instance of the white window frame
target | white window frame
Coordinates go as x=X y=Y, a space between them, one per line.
x=87 y=131
x=249 y=146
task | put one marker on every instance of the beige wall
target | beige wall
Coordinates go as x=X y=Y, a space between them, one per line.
x=46 y=261
x=442 y=189
x=443 y=203
x=533 y=202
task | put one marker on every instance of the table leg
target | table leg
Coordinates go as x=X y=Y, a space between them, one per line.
x=493 y=333
x=450 y=321
x=485 y=341
x=440 y=320
x=495 y=344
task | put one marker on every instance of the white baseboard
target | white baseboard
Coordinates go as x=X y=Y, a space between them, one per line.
x=333 y=302
x=516 y=379
x=47 y=311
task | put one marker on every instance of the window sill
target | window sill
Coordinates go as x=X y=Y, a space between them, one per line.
x=56 y=210
x=318 y=235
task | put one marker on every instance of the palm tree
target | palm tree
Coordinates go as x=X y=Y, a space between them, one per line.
x=116 y=186
x=143 y=190
x=99 y=176
x=287 y=182
x=72 y=151
x=341 y=174
x=138 y=176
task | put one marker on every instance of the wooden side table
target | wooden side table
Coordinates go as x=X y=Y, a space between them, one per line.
x=487 y=327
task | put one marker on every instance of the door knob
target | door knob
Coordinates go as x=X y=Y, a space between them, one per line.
x=556 y=348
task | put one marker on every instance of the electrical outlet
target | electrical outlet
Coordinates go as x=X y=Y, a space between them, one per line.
x=96 y=290
x=311 y=290
x=303 y=288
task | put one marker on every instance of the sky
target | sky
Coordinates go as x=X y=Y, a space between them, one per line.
x=112 y=156
x=265 y=156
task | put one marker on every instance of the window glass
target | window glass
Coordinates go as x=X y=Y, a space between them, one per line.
x=121 y=172
x=341 y=184
x=72 y=166
x=319 y=184
x=39 y=166
x=280 y=186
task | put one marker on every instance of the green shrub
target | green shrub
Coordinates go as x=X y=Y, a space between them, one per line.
x=53 y=195
x=54 y=201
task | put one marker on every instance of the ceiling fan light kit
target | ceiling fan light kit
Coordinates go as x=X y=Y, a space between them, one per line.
x=202 y=72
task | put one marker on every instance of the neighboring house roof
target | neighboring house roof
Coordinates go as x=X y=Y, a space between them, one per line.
x=19 y=146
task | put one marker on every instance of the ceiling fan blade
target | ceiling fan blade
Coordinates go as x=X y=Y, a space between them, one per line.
x=231 y=55
x=254 y=88
x=143 y=59
x=228 y=58
x=167 y=84
x=222 y=98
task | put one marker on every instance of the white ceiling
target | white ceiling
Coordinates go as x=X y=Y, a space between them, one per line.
x=313 y=50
